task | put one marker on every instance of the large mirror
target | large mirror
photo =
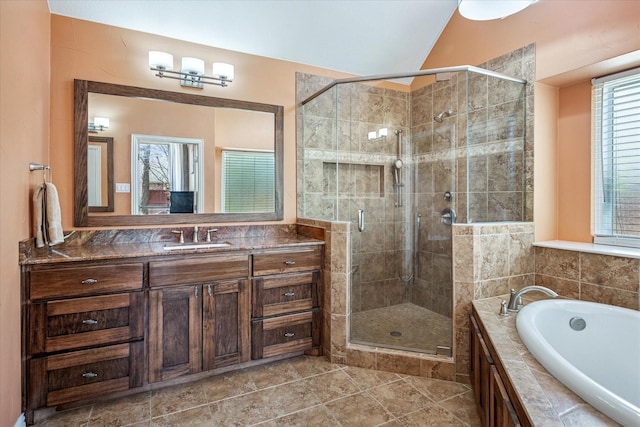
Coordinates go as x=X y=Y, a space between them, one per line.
x=177 y=158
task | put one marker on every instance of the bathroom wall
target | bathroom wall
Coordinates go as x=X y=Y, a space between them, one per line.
x=24 y=138
x=587 y=276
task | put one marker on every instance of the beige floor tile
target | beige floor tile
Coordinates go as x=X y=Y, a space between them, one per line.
x=121 y=412
x=196 y=417
x=317 y=416
x=273 y=374
x=436 y=389
x=71 y=418
x=307 y=366
x=332 y=385
x=227 y=385
x=287 y=398
x=367 y=378
x=399 y=398
x=243 y=410
x=177 y=398
x=359 y=410
x=431 y=416
x=464 y=407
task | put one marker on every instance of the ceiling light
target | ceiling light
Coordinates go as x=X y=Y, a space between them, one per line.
x=191 y=73
x=485 y=10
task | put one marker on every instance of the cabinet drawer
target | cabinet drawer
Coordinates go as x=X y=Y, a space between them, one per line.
x=84 y=281
x=285 y=334
x=285 y=293
x=83 y=322
x=197 y=270
x=284 y=262
x=84 y=374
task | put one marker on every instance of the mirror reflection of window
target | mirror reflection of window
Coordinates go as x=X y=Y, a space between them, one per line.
x=165 y=170
x=248 y=181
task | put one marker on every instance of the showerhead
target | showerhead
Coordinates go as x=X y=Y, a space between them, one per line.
x=439 y=117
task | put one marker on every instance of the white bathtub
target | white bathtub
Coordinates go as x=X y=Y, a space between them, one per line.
x=600 y=363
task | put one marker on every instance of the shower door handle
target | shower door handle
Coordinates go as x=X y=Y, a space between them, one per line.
x=361 y=220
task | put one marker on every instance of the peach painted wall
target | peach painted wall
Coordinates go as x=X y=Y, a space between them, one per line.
x=569 y=35
x=574 y=176
x=90 y=51
x=24 y=138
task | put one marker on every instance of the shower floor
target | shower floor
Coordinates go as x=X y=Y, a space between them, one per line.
x=404 y=327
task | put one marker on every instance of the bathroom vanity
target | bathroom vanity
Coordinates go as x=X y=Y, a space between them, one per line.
x=108 y=320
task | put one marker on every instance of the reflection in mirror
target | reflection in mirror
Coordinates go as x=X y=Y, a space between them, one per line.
x=100 y=173
x=166 y=175
x=222 y=125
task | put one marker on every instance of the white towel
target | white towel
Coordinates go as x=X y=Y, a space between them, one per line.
x=47 y=217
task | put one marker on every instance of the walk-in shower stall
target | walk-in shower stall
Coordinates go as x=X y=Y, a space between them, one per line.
x=402 y=166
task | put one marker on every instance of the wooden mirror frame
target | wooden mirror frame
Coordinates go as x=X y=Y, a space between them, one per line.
x=108 y=142
x=81 y=218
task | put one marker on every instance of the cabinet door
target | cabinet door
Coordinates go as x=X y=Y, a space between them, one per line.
x=225 y=323
x=501 y=412
x=175 y=332
x=480 y=371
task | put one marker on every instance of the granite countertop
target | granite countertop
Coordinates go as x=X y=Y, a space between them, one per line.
x=547 y=401
x=68 y=252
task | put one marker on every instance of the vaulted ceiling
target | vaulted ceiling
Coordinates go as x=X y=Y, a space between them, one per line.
x=361 y=37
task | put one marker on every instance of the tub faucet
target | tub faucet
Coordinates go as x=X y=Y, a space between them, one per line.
x=516 y=301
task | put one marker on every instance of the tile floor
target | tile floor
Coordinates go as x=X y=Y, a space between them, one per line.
x=378 y=327
x=303 y=391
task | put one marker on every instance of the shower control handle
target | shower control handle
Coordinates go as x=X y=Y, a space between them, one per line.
x=361 y=220
x=448 y=216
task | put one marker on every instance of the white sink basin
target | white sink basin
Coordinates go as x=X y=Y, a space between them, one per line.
x=188 y=246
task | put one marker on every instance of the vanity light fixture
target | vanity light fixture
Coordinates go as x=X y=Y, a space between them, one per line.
x=99 y=124
x=486 y=10
x=191 y=73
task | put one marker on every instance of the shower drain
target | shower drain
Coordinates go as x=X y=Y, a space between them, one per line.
x=395 y=334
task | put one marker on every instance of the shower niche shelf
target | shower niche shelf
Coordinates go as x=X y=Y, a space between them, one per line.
x=362 y=180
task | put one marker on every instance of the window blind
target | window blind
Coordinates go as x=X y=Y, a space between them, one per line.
x=248 y=181
x=616 y=121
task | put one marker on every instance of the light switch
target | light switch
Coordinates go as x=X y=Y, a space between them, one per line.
x=123 y=187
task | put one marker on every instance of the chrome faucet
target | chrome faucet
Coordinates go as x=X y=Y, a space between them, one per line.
x=195 y=234
x=515 y=302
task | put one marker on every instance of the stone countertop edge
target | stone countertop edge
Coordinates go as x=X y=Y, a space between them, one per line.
x=547 y=401
x=71 y=253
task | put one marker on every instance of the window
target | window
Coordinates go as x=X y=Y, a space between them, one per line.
x=248 y=181
x=616 y=133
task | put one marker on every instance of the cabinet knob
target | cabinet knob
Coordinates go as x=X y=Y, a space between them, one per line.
x=89 y=375
x=89 y=282
x=289 y=334
x=89 y=322
x=289 y=262
x=289 y=294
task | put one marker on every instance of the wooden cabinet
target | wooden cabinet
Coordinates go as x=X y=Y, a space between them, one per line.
x=200 y=326
x=286 y=315
x=84 y=331
x=118 y=326
x=495 y=407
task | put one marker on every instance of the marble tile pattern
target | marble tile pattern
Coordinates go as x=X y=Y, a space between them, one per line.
x=606 y=279
x=547 y=401
x=87 y=245
x=303 y=391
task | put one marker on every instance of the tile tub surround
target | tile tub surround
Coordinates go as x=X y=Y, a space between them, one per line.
x=547 y=401
x=305 y=391
x=581 y=274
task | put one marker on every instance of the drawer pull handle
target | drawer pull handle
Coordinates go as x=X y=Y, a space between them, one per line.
x=289 y=262
x=209 y=290
x=89 y=375
x=289 y=294
x=89 y=282
x=89 y=322
x=289 y=334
